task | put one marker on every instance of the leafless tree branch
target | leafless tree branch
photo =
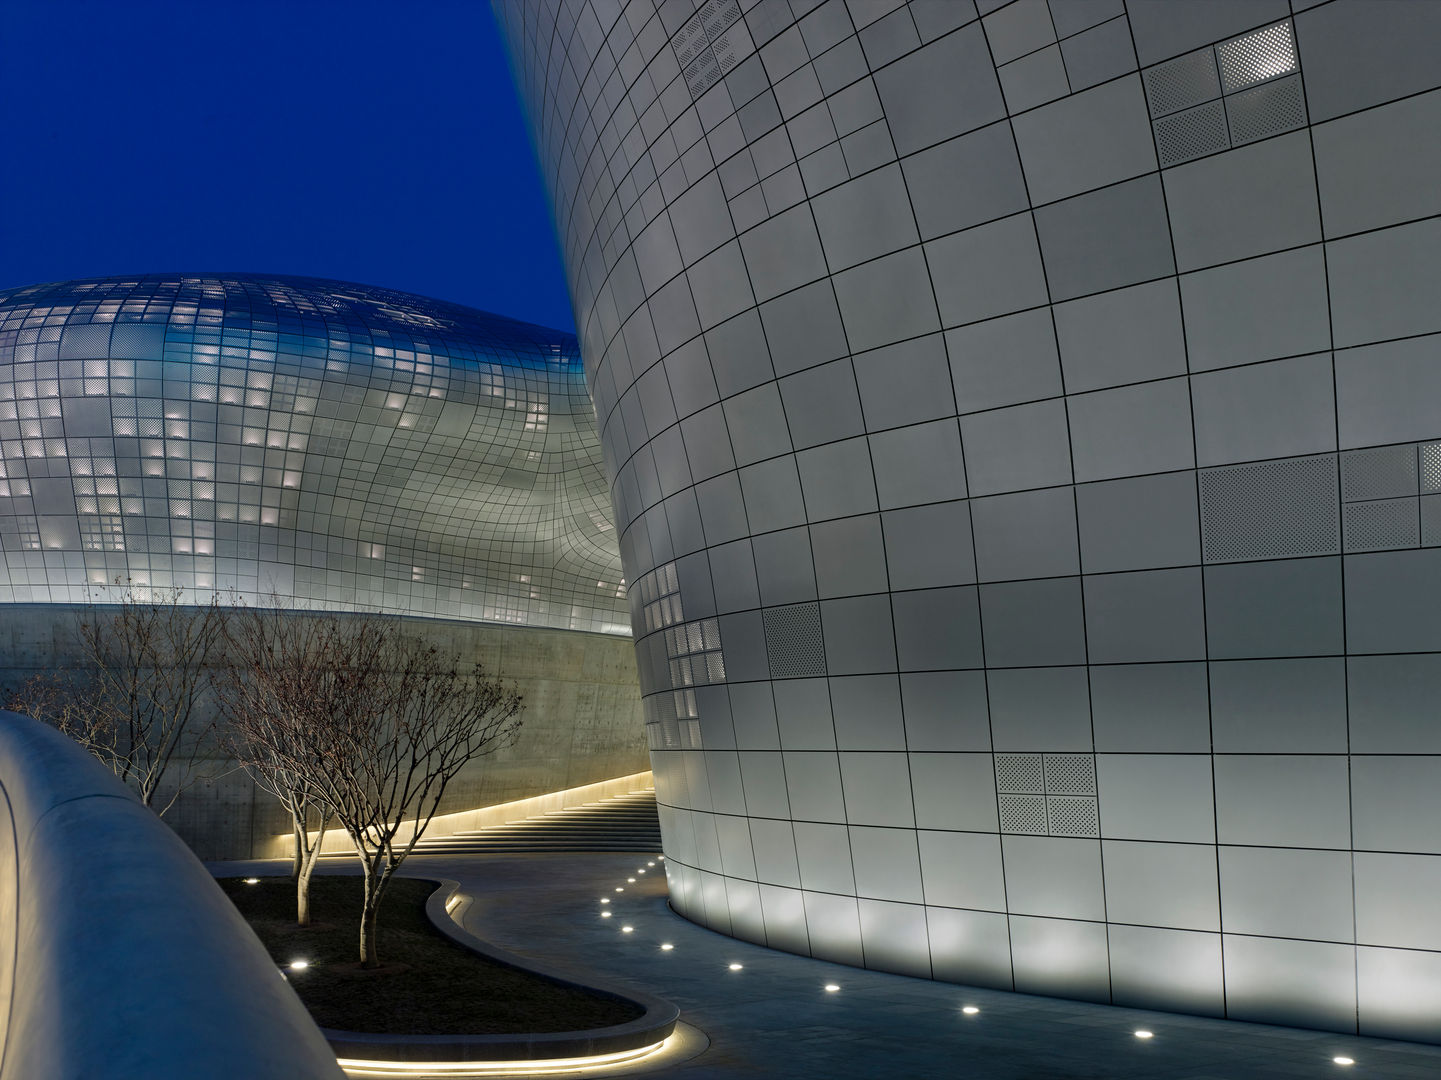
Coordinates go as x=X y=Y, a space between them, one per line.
x=367 y=721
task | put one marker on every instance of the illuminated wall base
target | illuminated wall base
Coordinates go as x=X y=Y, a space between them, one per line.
x=595 y=1063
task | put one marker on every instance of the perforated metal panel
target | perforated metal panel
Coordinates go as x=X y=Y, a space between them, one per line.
x=689 y=42
x=1020 y=773
x=1386 y=523
x=85 y=342
x=1383 y=473
x=669 y=735
x=1191 y=134
x=703 y=47
x=1270 y=509
x=1266 y=110
x=693 y=652
x=690 y=735
x=1070 y=774
x=701 y=73
x=1430 y=467
x=1178 y=84
x=655 y=599
x=1255 y=57
x=1431 y=520
x=794 y=644
x=718 y=16
x=1023 y=814
x=1073 y=816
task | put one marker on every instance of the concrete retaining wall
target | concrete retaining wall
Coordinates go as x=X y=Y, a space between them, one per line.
x=582 y=722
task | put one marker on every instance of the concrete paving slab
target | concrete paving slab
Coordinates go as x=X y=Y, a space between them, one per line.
x=773 y=1018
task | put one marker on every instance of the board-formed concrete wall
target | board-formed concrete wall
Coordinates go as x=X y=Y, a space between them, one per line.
x=1024 y=430
x=582 y=722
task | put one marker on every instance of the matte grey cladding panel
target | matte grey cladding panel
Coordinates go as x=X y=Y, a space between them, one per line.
x=1105 y=427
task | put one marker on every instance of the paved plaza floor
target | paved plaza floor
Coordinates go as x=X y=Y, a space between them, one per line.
x=774 y=1018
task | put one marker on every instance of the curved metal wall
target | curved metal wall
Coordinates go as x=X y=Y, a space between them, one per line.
x=1023 y=430
x=347 y=447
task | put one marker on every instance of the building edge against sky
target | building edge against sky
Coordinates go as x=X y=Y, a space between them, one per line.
x=340 y=448
x=1022 y=424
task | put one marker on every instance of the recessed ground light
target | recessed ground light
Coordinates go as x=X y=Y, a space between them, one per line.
x=299 y=965
x=1344 y=1060
x=735 y=967
x=627 y=929
x=252 y=881
x=605 y=914
x=831 y=988
x=661 y=858
x=650 y=864
x=667 y=947
x=619 y=889
x=1142 y=1033
x=969 y=1010
x=605 y=899
x=640 y=871
x=630 y=881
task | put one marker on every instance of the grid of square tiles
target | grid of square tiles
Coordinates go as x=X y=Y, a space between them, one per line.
x=982 y=433
x=346 y=447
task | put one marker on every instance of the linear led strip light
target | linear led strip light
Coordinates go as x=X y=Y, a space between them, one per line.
x=358 y=1067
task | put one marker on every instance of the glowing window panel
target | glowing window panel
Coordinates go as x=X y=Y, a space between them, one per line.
x=456 y=452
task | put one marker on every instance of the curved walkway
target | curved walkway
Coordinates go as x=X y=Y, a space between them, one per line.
x=773 y=1018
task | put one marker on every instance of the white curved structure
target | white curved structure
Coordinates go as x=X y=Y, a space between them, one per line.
x=119 y=955
x=346 y=447
x=1024 y=427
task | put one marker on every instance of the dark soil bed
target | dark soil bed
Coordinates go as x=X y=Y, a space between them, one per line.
x=430 y=986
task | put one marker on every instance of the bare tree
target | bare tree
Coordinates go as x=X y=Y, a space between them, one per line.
x=268 y=696
x=136 y=700
x=390 y=723
x=58 y=699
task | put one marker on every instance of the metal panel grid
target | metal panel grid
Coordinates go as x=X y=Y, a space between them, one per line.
x=1232 y=93
x=340 y=446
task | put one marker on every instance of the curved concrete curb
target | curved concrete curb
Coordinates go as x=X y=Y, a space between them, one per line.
x=654 y=1025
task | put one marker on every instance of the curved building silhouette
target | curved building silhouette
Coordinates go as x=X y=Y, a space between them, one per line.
x=1024 y=433
x=342 y=447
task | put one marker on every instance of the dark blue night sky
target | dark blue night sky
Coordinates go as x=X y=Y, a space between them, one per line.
x=373 y=142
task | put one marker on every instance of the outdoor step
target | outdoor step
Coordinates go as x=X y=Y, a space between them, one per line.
x=581 y=830
x=467 y=849
x=624 y=823
x=582 y=845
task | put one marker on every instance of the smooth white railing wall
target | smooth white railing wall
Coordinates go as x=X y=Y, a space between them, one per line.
x=119 y=955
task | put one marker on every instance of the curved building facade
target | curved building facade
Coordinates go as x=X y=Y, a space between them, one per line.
x=344 y=447
x=1023 y=423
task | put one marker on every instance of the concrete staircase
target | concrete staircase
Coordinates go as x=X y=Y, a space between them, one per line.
x=623 y=823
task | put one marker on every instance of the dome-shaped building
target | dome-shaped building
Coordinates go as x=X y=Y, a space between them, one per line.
x=339 y=446
x=322 y=446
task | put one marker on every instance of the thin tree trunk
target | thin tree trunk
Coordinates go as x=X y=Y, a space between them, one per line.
x=306 y=867
x=297 y=861
x=369 y=911
x=302 y=895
